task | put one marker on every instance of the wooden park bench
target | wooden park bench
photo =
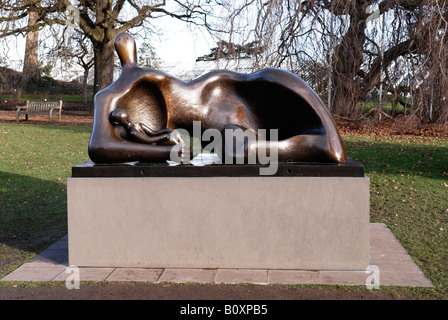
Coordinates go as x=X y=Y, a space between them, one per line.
x=39 y=107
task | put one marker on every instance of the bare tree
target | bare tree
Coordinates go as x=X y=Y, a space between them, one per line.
x=432 y=71
x=77 y=48
x=31 y=58
x=13 y=18
x=100 y=21
x=147 y=57
x=361 y=42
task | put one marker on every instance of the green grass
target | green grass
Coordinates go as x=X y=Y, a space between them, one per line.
x=55 y=97
x=387 y=107
x=409 y=193
x=35 y=162
x=373 y=103
x=408 y=184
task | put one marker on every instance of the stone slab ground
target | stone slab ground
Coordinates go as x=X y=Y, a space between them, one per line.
x=395 y=266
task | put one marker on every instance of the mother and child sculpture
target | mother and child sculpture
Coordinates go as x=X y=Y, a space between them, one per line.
x=140 y=115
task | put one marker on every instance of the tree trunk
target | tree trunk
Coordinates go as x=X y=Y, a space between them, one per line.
x=347 y=59
x=31 y=60
x=346 y=97
x=104 y=64
x=84 y=85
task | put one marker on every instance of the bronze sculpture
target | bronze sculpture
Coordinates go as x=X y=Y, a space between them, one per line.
x=136 y=117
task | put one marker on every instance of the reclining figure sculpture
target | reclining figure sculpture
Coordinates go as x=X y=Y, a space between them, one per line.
x=136 y=117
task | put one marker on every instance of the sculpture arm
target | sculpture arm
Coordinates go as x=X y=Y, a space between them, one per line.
x=153 y=133
x=142 y=138
x=106 y=147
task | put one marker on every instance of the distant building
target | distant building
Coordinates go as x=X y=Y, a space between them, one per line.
x=190 y=71
x=312 y=73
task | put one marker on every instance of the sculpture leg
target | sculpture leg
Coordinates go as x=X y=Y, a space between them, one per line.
x=302 y=148
x=242 y=145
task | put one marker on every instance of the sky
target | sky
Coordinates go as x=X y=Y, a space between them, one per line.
x=177 y=44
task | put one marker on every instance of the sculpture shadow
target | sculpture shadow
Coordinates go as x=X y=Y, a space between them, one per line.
x=33 y=215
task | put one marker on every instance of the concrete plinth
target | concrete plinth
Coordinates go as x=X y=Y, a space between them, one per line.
x=259 y=222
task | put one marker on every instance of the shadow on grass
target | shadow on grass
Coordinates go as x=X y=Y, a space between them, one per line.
x=33 y=215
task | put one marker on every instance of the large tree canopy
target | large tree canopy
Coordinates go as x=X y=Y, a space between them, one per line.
x=99 y=20
x=399 y=45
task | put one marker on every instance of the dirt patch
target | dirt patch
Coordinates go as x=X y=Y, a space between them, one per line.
x=78 y=114
x=155 y=291
x=70 y=117
x=388 y=128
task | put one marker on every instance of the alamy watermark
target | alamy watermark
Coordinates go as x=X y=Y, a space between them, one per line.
x=373 y=280
x=236 y=146
x=73 y=279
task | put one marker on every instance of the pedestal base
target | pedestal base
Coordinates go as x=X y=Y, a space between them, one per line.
x=260 y=222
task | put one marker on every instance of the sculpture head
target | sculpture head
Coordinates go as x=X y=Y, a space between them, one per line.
x=119 y=117
x=126 y=49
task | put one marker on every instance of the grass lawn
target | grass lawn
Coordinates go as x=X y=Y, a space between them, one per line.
x=408 y=176
x=35 y=162
x=53 y=97
x=409 y=193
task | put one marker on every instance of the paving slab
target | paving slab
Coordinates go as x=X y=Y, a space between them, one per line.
x=293 y=276
x=86 y=274
x=233 y=276
x=48 y=258
x=390 y=265
x=188 y=275
x=135 y=274
x=343 y=277
x=35 y=273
